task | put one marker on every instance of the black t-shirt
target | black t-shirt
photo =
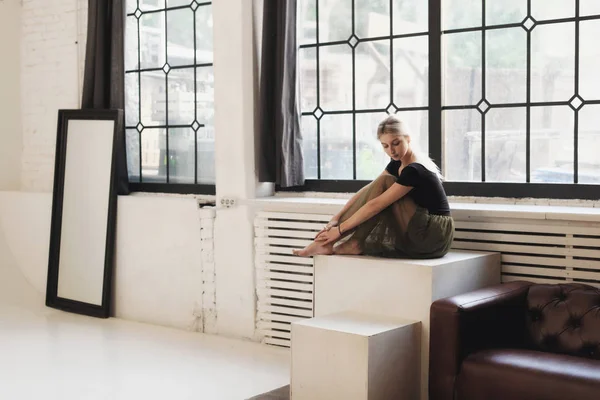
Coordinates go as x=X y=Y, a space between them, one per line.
x=427 y=191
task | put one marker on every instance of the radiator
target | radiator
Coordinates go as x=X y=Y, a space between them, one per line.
x=284 y=281
x=541 y=251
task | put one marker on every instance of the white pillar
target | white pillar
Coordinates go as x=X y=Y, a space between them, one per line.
x=235 y=104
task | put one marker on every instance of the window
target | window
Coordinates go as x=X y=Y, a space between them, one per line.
x=503 y=93
x=169 y=96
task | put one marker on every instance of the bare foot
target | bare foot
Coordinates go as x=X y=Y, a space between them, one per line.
x=351 y=247
x=313 y=249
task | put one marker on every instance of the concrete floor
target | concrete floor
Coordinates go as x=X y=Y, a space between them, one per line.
x=48 y=354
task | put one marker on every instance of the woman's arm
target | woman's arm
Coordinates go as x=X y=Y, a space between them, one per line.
x=336 y=218
x=353 y=199
x=369 y=210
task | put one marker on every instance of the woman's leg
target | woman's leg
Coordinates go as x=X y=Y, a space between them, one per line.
x=353 y=245
x=403 y=210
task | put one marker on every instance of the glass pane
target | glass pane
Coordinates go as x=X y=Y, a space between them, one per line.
x=132 y=100
x=131 y=6
x=372 y=18
x=180 y=38
x=552 y=9
x=181 y=96
x=336 y=77
x=205 y=109
x=589 y=7
x=373 y=75
x=309 y=146
x=204 y=34
x=462 y=145
x=146 y=5
x=462 y=68
x=205 y=98
x=410 y=16
x=505 y=145
x=153 y=98
x=308 y=79
x=505 y=11
x=417 y=124
x=589 y=143
x=206 y=155
x=335 y=20
x=553 y=62
x=458 y=14
x=132 y=142
x=181 y=155
x=552 y=144
x=307 y=22
x=153 y=154
x=411 y=72
x=336 y=147
x=589 y=60
x=506 y=66
x=152 y=40
x=370 y=157
x=131 y=43
x=175 y=3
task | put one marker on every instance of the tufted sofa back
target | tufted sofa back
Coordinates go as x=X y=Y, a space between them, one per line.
x=565 y=319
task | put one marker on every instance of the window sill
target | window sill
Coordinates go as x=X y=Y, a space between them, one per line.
x=460 y=209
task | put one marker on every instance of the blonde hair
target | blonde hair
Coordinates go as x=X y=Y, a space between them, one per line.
x=395 y=126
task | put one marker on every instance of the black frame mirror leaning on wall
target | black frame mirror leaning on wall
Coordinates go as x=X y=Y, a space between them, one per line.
x=84 y=207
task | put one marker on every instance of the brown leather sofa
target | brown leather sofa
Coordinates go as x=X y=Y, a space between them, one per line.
x=516 y=341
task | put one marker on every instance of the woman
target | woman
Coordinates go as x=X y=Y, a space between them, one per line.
x=402 y=213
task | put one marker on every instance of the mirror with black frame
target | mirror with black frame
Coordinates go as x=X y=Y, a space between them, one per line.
x=84 y=209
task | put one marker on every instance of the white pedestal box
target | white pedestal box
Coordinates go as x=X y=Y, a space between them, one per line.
x=355 y=356
x=400 y=287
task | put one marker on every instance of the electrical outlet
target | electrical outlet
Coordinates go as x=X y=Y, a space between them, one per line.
x=227 y=202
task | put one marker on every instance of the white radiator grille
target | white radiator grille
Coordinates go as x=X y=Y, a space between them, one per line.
x=284 y=281
x=541 y=251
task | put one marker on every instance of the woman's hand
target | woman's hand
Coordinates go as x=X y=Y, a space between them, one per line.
x=330 y=236
x=327 y=227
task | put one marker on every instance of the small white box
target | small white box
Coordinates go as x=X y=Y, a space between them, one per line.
x=355 y=356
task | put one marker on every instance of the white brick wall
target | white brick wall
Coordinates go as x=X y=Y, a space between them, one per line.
x=209 y=298
x=52 y=56
x=10 y=102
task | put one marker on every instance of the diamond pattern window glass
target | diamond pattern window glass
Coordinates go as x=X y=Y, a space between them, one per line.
x=359 y=61
x=531 y=98
x=502 y=94
x=169 y=95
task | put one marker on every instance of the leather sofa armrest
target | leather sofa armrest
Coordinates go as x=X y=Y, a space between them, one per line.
x=492 y=317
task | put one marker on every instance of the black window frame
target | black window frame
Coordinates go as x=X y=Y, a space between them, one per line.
x=160 y=186
x=435 y=107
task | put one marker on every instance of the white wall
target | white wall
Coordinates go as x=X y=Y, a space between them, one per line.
x=10 y=93
x=161 y=259
x=163 y=255
x=52 y=54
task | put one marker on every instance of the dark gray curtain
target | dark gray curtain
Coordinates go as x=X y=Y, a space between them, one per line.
x=104 y=76
x=281 y=159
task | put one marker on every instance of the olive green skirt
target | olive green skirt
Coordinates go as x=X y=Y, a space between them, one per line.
x=403 y=230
